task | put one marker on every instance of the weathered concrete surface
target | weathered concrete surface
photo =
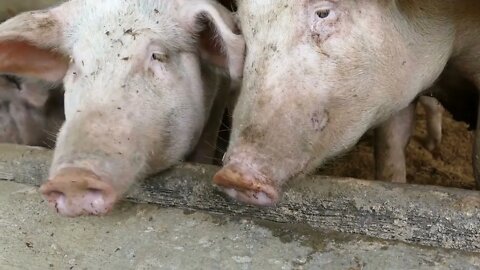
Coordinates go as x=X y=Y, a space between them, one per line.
x=434 y=216
x=9 y=8
x=149 y=237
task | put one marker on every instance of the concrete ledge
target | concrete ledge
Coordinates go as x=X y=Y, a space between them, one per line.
x=12 y=7
x=425 y=215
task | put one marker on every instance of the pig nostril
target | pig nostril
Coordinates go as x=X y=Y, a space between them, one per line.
x=93 y=193
x=75 y=192
x=94 y=190
x=54 y=195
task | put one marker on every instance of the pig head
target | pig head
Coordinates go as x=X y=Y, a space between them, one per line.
x=30 y=111
x=319 y=74
x=136 y=90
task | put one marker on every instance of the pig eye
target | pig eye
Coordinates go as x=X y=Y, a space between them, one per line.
x=325 y=18
x=322 y=14
x=160 y=57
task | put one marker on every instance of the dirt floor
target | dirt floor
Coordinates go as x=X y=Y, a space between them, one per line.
x=451 y=167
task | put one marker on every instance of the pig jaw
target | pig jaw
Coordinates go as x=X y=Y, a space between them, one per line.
x=258 y=163
x=243 y=180
x=76 y=192
x=86 y=186
x=94 y=164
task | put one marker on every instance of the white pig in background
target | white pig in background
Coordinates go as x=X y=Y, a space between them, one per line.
x=319 y=74
x=139 y=87
x=31 y=113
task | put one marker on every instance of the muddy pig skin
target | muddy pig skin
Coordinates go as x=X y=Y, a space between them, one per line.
x=31 y=112
x=140 y=78
x=319 y=74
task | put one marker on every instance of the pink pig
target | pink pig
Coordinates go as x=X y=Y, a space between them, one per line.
x=141 y=78
x=319 y=74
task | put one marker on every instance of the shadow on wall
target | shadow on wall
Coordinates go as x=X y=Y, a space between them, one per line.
x=9 y=8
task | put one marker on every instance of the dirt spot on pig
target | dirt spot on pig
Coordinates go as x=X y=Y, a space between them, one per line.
x=451 y=167
x=47 y=24
x=251 y=134
x=319 y=120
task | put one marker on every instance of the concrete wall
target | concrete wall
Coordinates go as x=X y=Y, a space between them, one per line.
x=426 y=215
x=12 y=7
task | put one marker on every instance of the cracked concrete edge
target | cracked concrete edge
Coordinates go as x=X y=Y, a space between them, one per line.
x=425 y=215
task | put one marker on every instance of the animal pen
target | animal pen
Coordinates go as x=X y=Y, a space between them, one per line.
x=179 y=220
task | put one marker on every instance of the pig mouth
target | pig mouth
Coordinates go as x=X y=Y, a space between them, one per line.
x=79 y=192
x=246 y=188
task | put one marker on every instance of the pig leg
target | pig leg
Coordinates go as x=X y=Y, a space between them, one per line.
x=434 y=112
x=476 y=140
x=391 y=139
x=476 y=148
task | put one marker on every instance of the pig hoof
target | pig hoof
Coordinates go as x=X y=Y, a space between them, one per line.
x=245 y=189
x=76 y=192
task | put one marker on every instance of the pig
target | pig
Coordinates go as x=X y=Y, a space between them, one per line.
x=319 y=74
x=140 y=78
x=30 y=112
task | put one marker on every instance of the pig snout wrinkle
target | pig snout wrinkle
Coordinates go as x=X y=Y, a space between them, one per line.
x=77 y=192
x=245 y=187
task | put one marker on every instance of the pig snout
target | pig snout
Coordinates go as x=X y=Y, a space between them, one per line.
x=247 y=185
x=76 y=192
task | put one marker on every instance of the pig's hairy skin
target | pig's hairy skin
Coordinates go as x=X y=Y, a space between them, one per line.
x=127 y=114
x=366 y=61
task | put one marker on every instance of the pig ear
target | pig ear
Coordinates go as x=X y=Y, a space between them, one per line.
x=29 y=46
x=218 y=35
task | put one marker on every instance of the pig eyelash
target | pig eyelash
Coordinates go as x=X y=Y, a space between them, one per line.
x=160 y=57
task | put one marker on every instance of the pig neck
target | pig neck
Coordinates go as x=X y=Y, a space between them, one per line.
x=436 y=31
